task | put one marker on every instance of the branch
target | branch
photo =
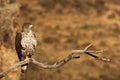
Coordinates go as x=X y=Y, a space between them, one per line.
x=57 y=64
x=2 y=74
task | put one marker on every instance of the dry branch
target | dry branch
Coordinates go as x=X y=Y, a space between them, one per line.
x=57 y=64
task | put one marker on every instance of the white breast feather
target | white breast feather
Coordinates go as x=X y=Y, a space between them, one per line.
x=28 y=40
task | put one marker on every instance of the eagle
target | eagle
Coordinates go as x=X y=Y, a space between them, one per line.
x=25 y=44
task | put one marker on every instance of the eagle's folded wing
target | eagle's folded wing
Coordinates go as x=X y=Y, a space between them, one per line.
x=18 y=45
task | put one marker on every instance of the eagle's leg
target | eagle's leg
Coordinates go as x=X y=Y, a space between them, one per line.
x=30 y=53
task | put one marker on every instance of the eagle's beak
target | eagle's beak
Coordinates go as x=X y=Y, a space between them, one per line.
x=30 y=26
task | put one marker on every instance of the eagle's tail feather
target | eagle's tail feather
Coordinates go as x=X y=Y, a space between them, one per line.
x=24 y=68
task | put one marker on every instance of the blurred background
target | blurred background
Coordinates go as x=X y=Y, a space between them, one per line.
x=61 y=26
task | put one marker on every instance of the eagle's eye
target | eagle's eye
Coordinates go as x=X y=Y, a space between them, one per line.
x=27 y=25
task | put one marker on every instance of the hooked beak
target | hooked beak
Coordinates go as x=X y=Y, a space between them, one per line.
x=30 y=26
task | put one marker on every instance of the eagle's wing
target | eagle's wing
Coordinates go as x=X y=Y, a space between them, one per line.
x=35 y=44
x=18 y=45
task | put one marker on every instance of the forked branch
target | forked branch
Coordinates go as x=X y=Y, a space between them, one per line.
x=59 y=63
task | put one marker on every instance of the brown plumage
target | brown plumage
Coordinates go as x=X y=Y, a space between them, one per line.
x=25 y=43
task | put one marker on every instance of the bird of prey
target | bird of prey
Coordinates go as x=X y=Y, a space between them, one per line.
x=25 y=44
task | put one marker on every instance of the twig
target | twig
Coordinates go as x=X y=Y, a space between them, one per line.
x=57 y=64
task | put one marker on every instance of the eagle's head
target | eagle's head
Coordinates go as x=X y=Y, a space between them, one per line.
x=27 y=26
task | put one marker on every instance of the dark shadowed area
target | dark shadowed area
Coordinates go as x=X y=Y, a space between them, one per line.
x=61 y=26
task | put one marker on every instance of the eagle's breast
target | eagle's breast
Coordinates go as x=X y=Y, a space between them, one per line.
x=28 y=41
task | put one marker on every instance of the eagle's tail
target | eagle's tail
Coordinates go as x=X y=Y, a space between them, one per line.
x=24 y=68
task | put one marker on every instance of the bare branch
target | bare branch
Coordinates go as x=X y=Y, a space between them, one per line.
x=57 y=64
x=2 y=74
x=88 y=47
